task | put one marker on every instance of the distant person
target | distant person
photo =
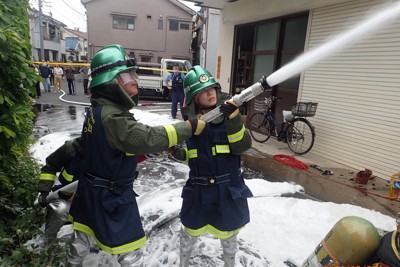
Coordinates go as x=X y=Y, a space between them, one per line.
x=214 y=199
x=45 y=73
x=85 y=77
x=174 y=82
x=104 y=210
x=70 y=76
x=51 y=75
x=58 y=76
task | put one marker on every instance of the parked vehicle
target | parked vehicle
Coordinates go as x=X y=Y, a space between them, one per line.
x=151 y=76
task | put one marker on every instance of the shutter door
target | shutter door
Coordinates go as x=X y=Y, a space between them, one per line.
x=358 y=90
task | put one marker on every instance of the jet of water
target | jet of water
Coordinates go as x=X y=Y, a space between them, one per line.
x=311 y=57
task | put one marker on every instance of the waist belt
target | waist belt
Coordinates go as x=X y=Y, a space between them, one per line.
x=101 y=182
x=212 y=180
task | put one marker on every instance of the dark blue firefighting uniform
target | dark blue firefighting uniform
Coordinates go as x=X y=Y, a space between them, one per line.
x=215 y=195
x=105 y=193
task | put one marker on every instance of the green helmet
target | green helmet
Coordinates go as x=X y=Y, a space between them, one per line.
x=196 y=80
x=108 y=62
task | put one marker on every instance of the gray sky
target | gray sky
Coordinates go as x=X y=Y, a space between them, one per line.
x=72 y=12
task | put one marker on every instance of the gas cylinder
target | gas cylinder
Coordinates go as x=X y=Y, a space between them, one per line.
x=351 y=242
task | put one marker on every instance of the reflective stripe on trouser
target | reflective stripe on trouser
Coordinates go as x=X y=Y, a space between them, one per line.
x=229 y=248
x=185 y=247
x=56 y=217
x=81 y=244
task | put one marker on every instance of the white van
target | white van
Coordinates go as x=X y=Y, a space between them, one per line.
x=151 y=76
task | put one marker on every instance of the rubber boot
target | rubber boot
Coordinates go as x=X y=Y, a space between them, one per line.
x=78 y=248
x=131 y=259
x=229 y=248
x=186 y=247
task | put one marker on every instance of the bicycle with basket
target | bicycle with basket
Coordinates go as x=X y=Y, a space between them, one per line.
x=296 y=130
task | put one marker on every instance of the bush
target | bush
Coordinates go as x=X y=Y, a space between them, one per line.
x=18 y=170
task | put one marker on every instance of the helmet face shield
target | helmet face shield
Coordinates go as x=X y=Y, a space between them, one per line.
x=127 y=77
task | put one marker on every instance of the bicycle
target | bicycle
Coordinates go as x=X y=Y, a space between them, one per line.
x=296 y=130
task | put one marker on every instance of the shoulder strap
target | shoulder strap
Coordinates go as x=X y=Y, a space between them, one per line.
x=396 y=244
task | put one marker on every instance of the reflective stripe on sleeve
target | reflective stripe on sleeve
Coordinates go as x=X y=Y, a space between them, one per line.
x=68 y=177
x=47 y=177
x=236 y=137
x=222 y=149
x=192 y=153
x=172 y=135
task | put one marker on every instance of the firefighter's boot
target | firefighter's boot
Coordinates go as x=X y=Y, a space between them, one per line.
x=131 y=259
x=186 y=247
x=229 y=248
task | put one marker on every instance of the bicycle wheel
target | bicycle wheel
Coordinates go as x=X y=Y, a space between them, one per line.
x=300 y=136
x=259 y=127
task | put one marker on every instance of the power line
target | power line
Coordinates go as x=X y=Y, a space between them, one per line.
x=73 y=9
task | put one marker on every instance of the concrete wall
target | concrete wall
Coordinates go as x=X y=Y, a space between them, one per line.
x=146 y=39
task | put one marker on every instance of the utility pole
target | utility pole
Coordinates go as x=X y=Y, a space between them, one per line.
x=41 y=56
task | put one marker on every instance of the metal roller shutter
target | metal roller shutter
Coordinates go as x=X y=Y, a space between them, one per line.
x=358 y=90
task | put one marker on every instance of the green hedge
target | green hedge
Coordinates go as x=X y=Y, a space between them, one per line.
x=18 y=170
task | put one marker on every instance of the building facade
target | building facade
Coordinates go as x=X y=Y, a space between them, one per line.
x=149 y=30
x=53 y=37
x=76 y=45
x=356 y=86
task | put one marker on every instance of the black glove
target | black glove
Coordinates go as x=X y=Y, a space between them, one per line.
x=42 y=199
x=229 y=109
x=197 y=125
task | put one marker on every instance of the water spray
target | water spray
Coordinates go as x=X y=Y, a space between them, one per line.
x=311 y=57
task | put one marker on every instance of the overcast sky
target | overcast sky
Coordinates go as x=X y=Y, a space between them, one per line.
x=72 y=12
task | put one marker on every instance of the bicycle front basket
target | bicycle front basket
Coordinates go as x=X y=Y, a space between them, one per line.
x=304 y=109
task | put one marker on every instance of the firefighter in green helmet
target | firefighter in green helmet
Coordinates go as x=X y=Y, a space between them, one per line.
x=104 y=211
x=215 y=195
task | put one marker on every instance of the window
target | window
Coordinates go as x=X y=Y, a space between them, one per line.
x=145 y=59
x=124 y=22
x=173 y=25
x=160 y=24
x=184 y=26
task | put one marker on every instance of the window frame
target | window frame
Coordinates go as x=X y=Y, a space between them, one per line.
x=127 y=18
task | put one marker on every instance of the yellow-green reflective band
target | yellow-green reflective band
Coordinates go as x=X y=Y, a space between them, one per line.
x=129 y=154
x=172 y=136
x=236 y=137
x=67 y=176
x=213 y=231
x=47 y=177
x=192 y=153
x=112 y=250
x=186 y=155
x=394 y=247
x=221 y=149
x=213 y=151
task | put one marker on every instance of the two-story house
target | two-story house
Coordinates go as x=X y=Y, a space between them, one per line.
x=76 y=45
x=149 y=30
x=356 y=85
x=53 y=37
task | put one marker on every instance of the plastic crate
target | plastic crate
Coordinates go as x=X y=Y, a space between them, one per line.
x=304 y=109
